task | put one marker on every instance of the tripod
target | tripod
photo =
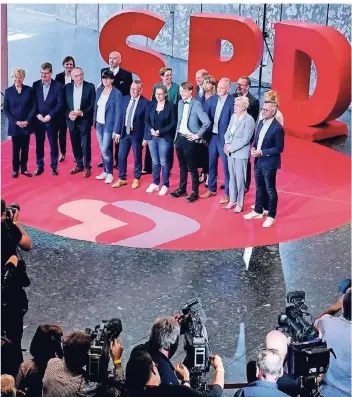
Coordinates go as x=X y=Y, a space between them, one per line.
x=265 y=36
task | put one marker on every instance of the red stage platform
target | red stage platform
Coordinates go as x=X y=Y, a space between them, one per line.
x=314 y=188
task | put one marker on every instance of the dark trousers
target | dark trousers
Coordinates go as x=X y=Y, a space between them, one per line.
x=62 y=134
x=202 y=156
x=216 y=150
x=148 y=164
x=12 y=328
x=125 y=146
x=20 y=148
x=81 y=144
x=265 y=180
x=52 y=132
x=186 y=155
x=249 y=174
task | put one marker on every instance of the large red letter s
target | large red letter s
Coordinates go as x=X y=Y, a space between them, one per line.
x=296 y=45
x=206 y=33
x=144 y=62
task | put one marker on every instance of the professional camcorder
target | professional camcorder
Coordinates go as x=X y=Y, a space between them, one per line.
x=98 y=355
x=11 y=209
x=308 y=356
x=196 y=343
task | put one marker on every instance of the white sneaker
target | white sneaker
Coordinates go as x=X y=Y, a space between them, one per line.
x=163 y=191
x=269 y=222
x=152 y=188
x=265 y=212
x=253 y=215
x=109 y=178
x=103 y=175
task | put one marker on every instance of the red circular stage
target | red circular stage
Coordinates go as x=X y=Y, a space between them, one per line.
x=314 y=187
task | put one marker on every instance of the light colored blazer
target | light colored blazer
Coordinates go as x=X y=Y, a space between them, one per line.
x=240 y=147
x=198 y=120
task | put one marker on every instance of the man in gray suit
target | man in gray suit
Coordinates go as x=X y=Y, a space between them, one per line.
x=192 y=124
x=238 y=148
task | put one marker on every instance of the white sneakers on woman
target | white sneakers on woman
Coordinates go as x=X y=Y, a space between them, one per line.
x=104 y=175
x=154 y=188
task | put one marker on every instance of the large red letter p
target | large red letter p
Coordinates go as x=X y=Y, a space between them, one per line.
x=297 y=44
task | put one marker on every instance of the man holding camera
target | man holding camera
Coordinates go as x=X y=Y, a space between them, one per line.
x=14 y=279
x=336 y=332
x=143 y=378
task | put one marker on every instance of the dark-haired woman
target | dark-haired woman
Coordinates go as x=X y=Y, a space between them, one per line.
x=161 y=122
x=64 y=78
x=45 y=345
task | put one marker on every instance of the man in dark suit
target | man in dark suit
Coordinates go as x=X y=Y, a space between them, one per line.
x=122 y=81
x=79 y=106
x=219 y=109
x=200 y=75
x=193 y=123
x=243 y=86
x=267 y=148
x=131 y=133
x=48 y=95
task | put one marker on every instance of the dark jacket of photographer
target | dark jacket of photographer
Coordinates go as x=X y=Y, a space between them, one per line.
x=165 y=368
x=179 y=391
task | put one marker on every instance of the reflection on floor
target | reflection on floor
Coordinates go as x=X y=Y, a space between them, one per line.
x=77 y=283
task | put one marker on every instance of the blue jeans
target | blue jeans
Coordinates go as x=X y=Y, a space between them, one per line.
x=160 y=151
x=125 y=146
x=265 y=180
x=105 y=144
x=216 y=150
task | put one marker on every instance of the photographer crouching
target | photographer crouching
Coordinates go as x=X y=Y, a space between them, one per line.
x=14 y=279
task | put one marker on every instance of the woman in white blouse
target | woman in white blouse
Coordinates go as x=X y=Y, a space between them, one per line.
x=107 y=120
x=237 y=147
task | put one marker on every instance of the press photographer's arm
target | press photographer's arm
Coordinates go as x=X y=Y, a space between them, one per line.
x=26 y=242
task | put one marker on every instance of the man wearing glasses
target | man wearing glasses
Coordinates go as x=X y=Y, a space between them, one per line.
x=267 y=148
x=79 y=106
x=243 y=86
x=49 y=101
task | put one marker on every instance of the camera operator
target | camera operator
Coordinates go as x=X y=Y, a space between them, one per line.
x=14 y=279
x=336 y=331
x=269 y=369
x=162 y=345
x=278 y=341
x=143 y=379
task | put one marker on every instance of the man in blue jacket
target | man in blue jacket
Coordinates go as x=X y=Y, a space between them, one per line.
x=48 y=95
x=267 y=148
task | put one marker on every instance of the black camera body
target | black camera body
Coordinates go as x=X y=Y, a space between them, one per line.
x=98 y=354
x=11 y=209
x=196 y=343
x=308 y=356
x=293 y=321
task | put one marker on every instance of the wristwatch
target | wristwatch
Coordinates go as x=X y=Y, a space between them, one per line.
x=185 y=381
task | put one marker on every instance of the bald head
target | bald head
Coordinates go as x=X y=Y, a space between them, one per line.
x=278 y=341
x=114 y=59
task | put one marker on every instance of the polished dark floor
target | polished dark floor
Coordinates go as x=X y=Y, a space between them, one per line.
x=77 y=284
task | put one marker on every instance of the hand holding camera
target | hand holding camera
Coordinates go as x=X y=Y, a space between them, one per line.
x=182 y=372
x=116 y=350
x=216 y=362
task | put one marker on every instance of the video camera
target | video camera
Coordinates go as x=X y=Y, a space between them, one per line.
x=98 y=354
x=308 y=356
x=196 y=343
x=11 y=209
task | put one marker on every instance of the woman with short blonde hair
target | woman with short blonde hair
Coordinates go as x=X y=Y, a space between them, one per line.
x=273 y=97
x=19 y=108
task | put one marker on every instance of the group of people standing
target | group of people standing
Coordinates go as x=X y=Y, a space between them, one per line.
x=203 y=128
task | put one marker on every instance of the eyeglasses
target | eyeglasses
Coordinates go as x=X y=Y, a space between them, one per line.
x=242 y=85
x=45 y=73
x=265 y=110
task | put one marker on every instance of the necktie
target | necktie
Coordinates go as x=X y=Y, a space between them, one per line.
x=129 y=117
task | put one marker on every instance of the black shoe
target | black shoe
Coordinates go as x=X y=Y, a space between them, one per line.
x=54 y=172
x=62 y=157
x=100 y=164
x=222 y=187
x=38 y=171
x=192 y=198
x=178 y=193
x=15 y=174
x=246 y=189
x=26 y=173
